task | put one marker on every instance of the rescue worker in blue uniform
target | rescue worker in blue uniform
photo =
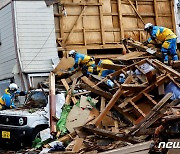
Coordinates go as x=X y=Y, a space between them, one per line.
x=166 y=37
x=104 y=72
x=7 y=99
x=83 y=60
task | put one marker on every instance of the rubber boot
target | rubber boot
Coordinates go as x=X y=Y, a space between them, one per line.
x=175 y=57
x=165 y=58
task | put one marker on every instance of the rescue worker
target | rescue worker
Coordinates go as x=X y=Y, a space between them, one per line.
x=7 y=99
x=166 y=37
x=83 y=60
x=104 y=72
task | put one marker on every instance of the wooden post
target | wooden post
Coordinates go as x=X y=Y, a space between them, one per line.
x=52 y=104
x=120 y=20
x=102 y=22
x=113 y=100
x=84 y=31
x=173 y=16
x=156 y=12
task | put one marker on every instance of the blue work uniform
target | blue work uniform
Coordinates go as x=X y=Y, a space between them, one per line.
x=168 y=40
x=104 y=72
x=6 y=101
x=86 y=62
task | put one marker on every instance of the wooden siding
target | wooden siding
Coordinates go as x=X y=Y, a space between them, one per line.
x=104 y=23
x=35 y=35
x=7 y=48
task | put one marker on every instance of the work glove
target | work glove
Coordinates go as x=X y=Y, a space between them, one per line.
x=145 y=43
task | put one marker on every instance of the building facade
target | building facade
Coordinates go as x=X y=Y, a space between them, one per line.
x=28 y=42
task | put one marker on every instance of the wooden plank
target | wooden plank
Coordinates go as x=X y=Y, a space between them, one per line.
x=176 y=64
x=101 y=23
x=133 y=86
x=82 y=4
x=112 y=66
x=67 y=137
x=149 y=88
x=156 y=12
x=73 y=28
x=173 y=16
x=165 y=67
x=94 y=90
x=73 y=85
x=137 y=108
x=105 y=133
x=120 y=20
x=64 y=64
x=103 y=101
x=72 y=77
x=78 y=144
x=146 y=121
x=130 y=56
x=136 y=11
x=90 y=83
x=84 y=30
x=113 y=100
x=161 y=90
x=140 y=147
x=68 y=97
x=150 y=98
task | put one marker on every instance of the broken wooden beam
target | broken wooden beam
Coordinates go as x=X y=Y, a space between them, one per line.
x=105 y=133
x=135 y=87
x=165 y=67
x=68 y=97
x=112 y=66
x=147 y=121
x=113 y=100
x=99 y=92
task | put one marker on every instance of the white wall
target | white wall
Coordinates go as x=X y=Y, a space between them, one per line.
x=177 y=20
x=7 y=48
x=35 y=35
x=4 y=2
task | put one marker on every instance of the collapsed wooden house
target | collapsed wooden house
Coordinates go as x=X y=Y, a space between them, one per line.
x=140 y=101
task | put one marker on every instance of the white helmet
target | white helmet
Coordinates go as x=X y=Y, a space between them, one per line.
x=13 y=86
x=148 y=26
x=71 y=53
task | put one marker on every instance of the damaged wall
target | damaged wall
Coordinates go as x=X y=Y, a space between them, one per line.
x=98 y=24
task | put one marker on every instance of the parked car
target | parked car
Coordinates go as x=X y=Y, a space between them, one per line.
x=20 y=126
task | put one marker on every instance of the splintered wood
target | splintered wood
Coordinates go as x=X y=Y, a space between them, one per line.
x=104 y=117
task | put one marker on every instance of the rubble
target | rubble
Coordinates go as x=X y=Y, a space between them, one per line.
x=132 y=113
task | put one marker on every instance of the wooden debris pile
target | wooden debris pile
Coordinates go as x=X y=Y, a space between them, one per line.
x=104 y=117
